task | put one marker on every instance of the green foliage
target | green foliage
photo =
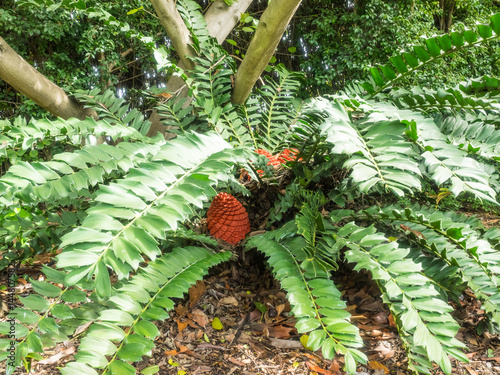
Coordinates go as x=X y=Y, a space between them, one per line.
x=315 y=300
x=134 y=304
x=385 y=76
x=118 y=206
x=80 y=45
x=341 y=41
x=114 y=110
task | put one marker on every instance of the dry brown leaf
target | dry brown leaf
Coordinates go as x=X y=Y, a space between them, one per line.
x=280 y=332
x=56 y=357
x=199 y=317
x=415 y=232
x=381 y=317
x=181 y=325
x=235 y=361
x=181 y=310
x=254 y=315
x=378 y=366
x=196 y=291
x=164 y=95
x=81 y=328
x=392 y=323
x=314 y=367
x=280 y=308
x=182 y=349
x=230 y=300
x=285 y=344
x=471 y=371
x=335 y=367
x=497 y=359
x=384 y=350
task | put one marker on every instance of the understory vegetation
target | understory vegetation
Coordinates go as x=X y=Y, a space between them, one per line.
x=119 y=208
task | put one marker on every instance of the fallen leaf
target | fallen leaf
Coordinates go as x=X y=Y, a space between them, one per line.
x=335 y=367
x=235 y=361
x=229 y=301
x=384 y=350
x=392 y=323
x=56 y=357
x=199 y=317
x=280 y=332
x=217 y=324
x=164 y=95
x=303 y=340
x=181 y=349
x=314 y=367
x=378 y=366
x=254 y=315
x=82 y=328
x=380 y=317
x=181 y=325
x=497 y=359
x=285 y=344
x=415 y=232
x=181 y=310
x=471 y=371
x=280 y=308
x=196 y=291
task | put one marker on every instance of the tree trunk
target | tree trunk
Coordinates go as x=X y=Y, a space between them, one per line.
x=271 y=27
x=18 y=73
x=221 y=19
x=176 y=29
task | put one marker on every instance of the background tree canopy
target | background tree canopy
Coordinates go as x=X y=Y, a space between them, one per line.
x=332 y=42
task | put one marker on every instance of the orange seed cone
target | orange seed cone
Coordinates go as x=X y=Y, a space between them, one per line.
x=227 y=219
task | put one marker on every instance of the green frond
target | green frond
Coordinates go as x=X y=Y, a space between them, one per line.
x=41 y=134
x=113 y=109
x=436 y=47
x=425 y=99
x=476 y=137
x=428 y=149
x=177 y=115
x=191 y=13
x=154 y=197
x=49 y=319
x=315 y=300
x=485 y=86
x=124 y=332
x=70 y=174
x=379 y=156
x=421 y=314
x=462 y=255
x=271 y=110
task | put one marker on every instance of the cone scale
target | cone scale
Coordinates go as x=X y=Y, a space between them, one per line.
x=227 y=219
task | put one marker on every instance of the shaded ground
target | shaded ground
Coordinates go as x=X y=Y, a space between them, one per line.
x=254 y=343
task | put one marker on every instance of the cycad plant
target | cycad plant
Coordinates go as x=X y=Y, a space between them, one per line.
x=117 y=210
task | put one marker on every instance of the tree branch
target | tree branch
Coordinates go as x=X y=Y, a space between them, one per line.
x=18 y=73
x=272 y=24
x=176 y=29
x=221 y=19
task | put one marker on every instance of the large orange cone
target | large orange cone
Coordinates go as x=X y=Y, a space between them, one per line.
x=227 y=219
